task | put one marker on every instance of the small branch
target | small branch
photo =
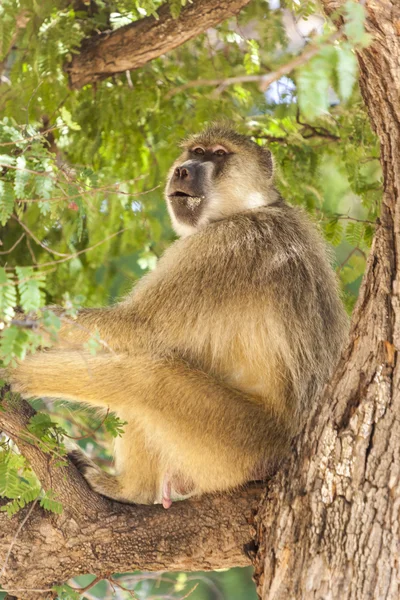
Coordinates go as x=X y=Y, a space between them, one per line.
x=87 y=587
x=315 y=131
x=31 y=137
x=14 y=245
x=75 y=254
x=264 y=80
x=90 y=433
x=35 y=239
x=348 y=218
x=353 y=251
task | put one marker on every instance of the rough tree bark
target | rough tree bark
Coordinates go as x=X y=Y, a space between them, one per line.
x=328 y=526
x=329 y=523
x=134 y=45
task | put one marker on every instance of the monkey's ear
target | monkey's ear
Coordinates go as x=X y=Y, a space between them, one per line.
x=267 y=161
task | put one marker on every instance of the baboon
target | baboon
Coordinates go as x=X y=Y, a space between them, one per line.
x=216 y=356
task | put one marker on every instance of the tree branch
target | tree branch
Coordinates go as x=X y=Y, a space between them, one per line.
x=264 y=80
x=136 y=44
x=96 y=535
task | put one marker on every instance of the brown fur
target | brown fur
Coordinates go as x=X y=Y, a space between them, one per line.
x=219 y=352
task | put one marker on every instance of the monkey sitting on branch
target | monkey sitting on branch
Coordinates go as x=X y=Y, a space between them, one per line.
x=216 y=356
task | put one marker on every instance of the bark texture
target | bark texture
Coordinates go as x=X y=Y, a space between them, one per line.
x=134 y=45
x=329 y=523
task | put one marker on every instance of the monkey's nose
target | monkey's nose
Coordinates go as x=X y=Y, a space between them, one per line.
x=183 y=173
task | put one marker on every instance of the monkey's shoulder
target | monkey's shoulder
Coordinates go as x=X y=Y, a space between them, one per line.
x=275 y=231
x=248 y=252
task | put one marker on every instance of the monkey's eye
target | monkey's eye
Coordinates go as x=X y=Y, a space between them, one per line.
x=198 y=150
x=220 y=152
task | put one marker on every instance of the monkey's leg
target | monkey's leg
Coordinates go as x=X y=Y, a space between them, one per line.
x=212 y=434
x=137 y=469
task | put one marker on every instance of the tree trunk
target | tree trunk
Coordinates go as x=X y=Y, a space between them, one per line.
x=329 y=523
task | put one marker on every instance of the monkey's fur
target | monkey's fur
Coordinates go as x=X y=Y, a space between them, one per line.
x=215 y=356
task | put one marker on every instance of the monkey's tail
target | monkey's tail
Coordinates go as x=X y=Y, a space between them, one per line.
x=80 y=460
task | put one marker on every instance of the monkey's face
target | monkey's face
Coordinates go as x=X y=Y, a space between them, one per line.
x=220 y=173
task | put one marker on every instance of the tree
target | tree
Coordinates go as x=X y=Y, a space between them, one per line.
x=327 y=524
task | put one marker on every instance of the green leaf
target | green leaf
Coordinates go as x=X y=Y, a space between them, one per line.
x=313 y=83
x=66 y=117
x=8 y=295
x=114 y=425
x=6 y=201
x=30 y=286
x=347 y=68
x=21 y=178
x=44 y=186
x=40 y=424
x=49 y=502
x=93 y=344
x=334 y=231
x=252 y=58
x=14 y=343
x=16 y=482
x=52 y=323
x=6 y=159
x=354 y=26
x=354 y=233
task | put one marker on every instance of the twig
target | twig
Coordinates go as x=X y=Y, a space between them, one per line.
x=31 y=252
x=90 y=434
x=354 y=250
x=90 y=585
x=348 y=218
x=14 y=245
x=90 y=191
x=75 y=254
x=32 y=137
x=41 y=173
x=264 y=80
x=121 y=587
x=316 y=131
x=189 y=592
x=35 y=239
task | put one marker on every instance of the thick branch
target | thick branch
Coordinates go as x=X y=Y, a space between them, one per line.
x=134 y=45
x=95 y=535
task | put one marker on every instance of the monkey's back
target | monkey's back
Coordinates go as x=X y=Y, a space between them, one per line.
x=252 y=300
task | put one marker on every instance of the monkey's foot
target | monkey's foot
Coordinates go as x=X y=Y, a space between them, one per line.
x=175 y=487
x=166 y=493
